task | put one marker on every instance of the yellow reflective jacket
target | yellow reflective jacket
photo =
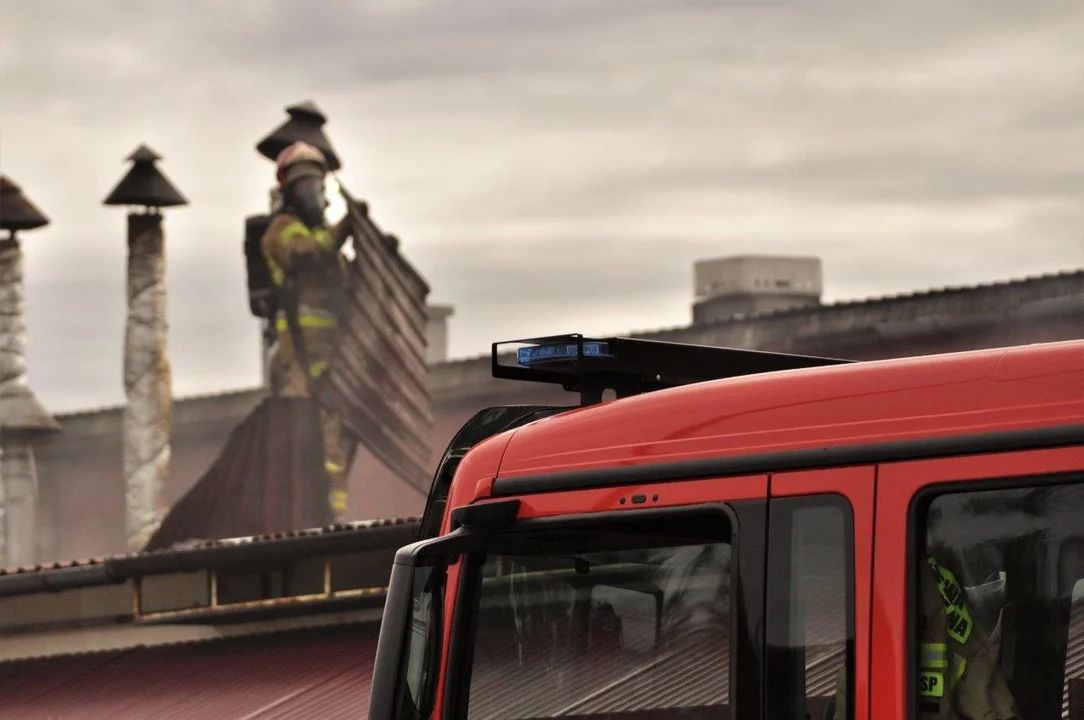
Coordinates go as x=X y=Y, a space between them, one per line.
x=320 y=285
x=958 y=672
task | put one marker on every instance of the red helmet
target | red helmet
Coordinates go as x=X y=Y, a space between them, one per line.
x=298 y=161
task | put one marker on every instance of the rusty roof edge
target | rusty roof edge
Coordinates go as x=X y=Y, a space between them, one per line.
x=361 y=536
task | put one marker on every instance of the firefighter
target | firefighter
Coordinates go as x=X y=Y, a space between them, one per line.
x=309 y=273
x=958 y=675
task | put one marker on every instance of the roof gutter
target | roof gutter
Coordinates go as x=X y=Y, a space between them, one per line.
x=122 y=568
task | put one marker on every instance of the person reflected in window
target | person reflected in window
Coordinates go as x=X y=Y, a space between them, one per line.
x=958 y=675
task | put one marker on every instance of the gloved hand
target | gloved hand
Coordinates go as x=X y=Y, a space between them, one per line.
x=342 y=231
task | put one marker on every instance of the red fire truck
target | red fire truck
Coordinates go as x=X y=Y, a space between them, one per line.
x=751 y=535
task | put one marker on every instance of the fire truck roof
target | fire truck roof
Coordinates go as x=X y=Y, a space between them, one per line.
x=817 y=416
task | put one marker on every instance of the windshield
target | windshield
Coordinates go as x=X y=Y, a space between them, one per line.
x=603 y=634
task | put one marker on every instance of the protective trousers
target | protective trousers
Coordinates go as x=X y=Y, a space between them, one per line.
x=288 y=379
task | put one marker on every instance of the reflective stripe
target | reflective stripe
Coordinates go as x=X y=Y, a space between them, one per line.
x=293 y=230
x=338 y=500
x=277 y=273
x=933 y=655
x=317 y=368
x=957 y=615
x=333 y=467
x=959 y=670
x=314 y=322
x=322 y=236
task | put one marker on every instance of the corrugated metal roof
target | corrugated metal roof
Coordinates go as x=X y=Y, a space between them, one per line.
x=1074 y=654
x=321 y=673
x=377 y=381
x=326 y=673
x=268 y=478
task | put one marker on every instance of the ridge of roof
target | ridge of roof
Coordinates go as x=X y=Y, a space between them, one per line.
x=876 y=300
x=822 y=307
x=102 y=409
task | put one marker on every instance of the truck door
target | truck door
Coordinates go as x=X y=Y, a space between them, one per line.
x=615 y=601
x=817 y=599
x=979 y=601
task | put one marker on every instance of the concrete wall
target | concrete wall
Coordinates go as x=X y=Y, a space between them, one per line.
x=79 y=470
x=747 y=284
x=81 y=480
x=436 y=332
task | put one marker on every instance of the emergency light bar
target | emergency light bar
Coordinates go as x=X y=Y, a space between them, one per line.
x=535 y=354
x=631 y=366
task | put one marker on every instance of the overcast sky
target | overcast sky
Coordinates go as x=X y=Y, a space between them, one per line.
x=549 y=166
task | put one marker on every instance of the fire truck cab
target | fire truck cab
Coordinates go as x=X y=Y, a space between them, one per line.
x=751 y=536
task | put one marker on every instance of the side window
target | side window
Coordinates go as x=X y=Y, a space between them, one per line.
x=810 y=617
x=997 y=615
x=616 y=624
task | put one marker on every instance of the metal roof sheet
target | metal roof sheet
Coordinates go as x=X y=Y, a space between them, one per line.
x=312 y=673
x=268 y=478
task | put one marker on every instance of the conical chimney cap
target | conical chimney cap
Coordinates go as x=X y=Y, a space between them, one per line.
x=21 y=412
x=145 y=184
x=16 y=210
x=305 y=124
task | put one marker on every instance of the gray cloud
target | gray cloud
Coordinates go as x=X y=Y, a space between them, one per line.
x=544 y=163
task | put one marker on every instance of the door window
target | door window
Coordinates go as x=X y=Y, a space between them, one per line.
x=810 y=600
x=997 y=602
x=605 y=625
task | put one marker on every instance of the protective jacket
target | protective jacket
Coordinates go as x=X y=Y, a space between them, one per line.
x=309 y=273
x=959 y=676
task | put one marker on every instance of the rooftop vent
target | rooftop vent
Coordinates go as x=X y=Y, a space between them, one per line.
x=751 y=284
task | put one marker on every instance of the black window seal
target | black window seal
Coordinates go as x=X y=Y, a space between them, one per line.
x=460 y=645
x=916 y=548
x=805 y=459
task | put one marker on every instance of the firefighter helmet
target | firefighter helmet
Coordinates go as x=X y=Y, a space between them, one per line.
x=300 y=160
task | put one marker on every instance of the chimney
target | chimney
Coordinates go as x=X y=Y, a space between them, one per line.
x=436 y=332
x=22 y=418
x=753 y=284
x=148 y=414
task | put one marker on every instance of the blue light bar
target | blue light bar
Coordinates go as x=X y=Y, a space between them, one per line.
x=559 y=351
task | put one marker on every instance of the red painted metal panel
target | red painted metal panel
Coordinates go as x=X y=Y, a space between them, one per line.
x=981 y=391
x=897 y=484
x=857 y=485
x=692 y=492
x=312 y=673
x=475 y=474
